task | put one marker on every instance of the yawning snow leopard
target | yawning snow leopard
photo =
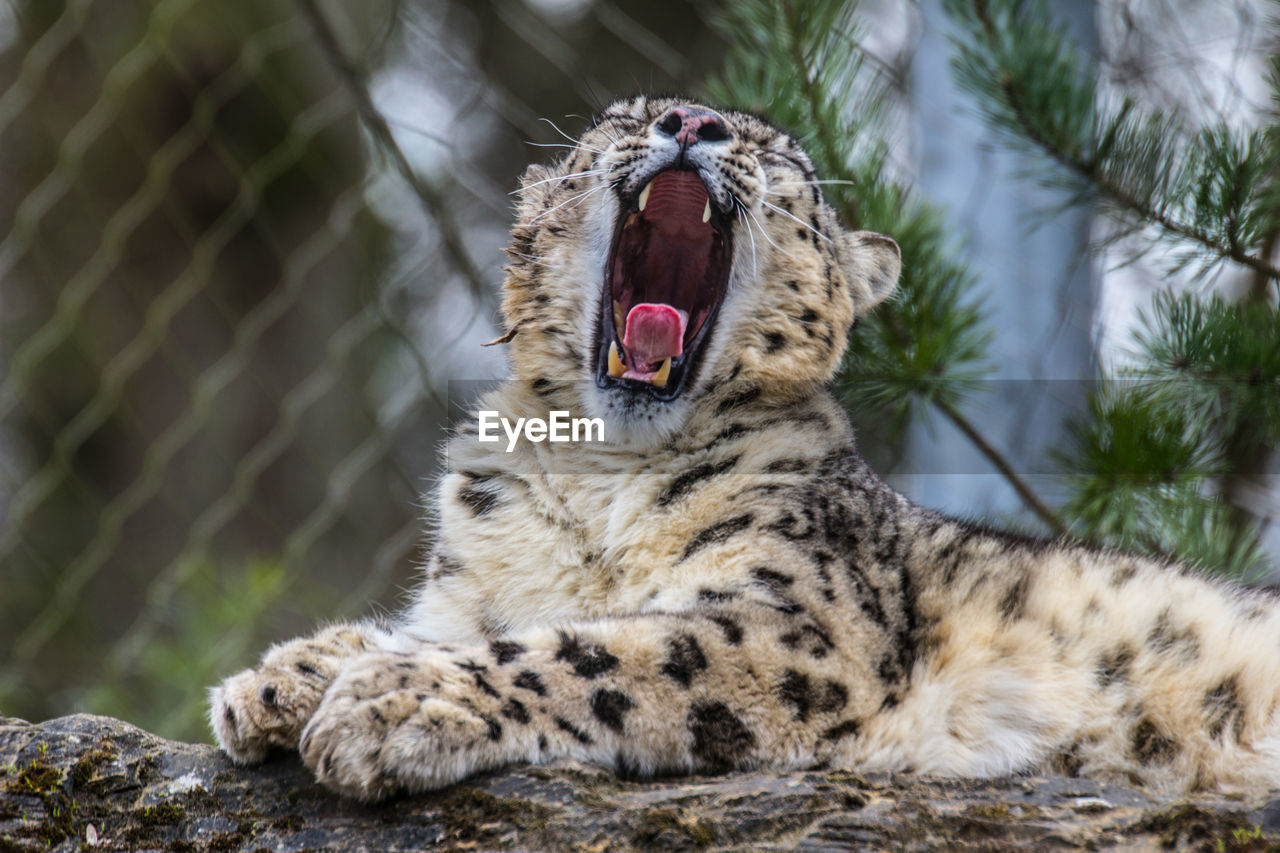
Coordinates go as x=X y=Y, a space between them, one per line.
x=722 y=582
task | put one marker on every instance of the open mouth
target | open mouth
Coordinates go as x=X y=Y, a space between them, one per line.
x=664 y=282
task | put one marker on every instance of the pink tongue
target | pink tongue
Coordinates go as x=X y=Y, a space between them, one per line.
x=654 y=332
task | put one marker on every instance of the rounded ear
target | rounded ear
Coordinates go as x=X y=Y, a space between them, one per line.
x=871 y=263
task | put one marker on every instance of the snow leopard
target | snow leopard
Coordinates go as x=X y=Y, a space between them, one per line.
x=719 y=582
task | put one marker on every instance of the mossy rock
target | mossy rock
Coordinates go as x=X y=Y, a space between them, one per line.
x=60 y=778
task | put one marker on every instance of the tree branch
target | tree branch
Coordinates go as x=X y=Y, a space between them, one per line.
x=433 y=200
x=813 y=102
x=1029 y=497
x=1092 y=171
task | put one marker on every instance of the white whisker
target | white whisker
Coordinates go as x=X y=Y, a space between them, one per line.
x=584 y=173
x=531 y=259
x=755 y=264
x=811 y=183
x=606 y=134
x=796 y=219
x=577 y=197
x=576 y=143
x=576 y=147
x=765 y=235
x=583 y=196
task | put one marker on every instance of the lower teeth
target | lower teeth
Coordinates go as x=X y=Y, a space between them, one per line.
x=659 y=379
x=616 y=367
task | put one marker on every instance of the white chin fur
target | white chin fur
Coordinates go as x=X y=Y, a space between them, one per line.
x=636 y=421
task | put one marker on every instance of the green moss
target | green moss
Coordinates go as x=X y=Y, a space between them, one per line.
x=1244 y=836
x=229 y=841
x=578 y=778
x=989 y=811
x=59 y=822
x=198 y=800
x=38 y=777
x=1193 y=827
x=82 y=773
x=161 y=813
x=147 y=771
x=597 y=802
x=288 y=823
x=669 y=829
x=43 y=780
x=845 y=777
x=472 y=815
x=86 y=768
x=152 y=832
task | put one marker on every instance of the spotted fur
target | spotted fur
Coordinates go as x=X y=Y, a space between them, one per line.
x=724 y=583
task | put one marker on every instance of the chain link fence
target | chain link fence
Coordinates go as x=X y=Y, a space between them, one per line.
x=244 y=245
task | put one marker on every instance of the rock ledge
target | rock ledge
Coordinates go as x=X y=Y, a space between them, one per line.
x=94 y=783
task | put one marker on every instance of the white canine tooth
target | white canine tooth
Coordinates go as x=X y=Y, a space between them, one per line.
x=644 y=194
x=616 y=367
x=706 y=211
x=659 y=379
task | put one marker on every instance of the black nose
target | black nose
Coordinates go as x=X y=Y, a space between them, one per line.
x=691 y=125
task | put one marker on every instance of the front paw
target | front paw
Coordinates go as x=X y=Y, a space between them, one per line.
x=384 y=728
x=259 y=709
x=256 y=710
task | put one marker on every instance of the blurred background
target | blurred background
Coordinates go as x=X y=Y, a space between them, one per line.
x=246 y=244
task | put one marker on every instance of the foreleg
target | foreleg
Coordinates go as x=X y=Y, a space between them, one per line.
x=709 y=690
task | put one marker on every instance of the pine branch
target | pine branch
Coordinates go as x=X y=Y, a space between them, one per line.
x=1245 y=451
x=1033 y=87
x=433 y=201
x=823 y=131
x=1258 y=290
x=1093 y=171
x=1152 y=466
x=927 y=345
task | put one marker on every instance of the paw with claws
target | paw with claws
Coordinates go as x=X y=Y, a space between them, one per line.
x=396 y=723
x=266 y=707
